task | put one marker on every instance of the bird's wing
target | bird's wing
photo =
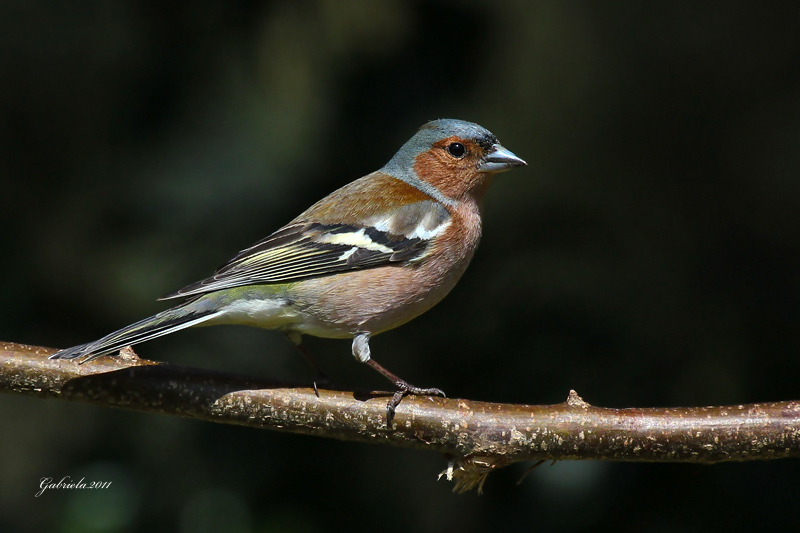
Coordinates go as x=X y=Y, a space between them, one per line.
x=309 y=248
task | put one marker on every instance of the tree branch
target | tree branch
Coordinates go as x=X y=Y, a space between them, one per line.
x=478 y=437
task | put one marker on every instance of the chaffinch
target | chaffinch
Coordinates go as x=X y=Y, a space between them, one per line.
x=365 y=259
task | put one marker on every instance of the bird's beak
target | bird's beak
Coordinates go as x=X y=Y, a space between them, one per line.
x=500 y=159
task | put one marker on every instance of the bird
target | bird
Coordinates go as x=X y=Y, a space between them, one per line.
x=365 y=259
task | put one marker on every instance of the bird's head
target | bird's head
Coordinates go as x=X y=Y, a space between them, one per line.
x=452 y=157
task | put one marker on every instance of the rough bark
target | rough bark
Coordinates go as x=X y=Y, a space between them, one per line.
x=477 y=437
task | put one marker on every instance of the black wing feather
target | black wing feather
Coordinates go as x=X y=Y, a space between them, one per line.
x=305 y=250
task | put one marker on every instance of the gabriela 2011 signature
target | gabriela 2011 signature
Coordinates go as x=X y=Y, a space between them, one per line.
x=66 y=482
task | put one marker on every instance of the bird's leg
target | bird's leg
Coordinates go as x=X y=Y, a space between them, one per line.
x=320 y=377
x=362 y=353
x=404 y=388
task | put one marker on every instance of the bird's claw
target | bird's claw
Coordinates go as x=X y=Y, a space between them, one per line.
x=404 y=389
x=321 y=380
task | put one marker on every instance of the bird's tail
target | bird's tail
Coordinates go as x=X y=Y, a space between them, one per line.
x=188 y=314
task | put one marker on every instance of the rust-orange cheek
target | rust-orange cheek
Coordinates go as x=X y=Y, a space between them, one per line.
x=453 y=178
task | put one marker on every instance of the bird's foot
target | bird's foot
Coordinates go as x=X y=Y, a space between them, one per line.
x=403 y=390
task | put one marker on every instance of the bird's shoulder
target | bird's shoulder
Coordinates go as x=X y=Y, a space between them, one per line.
x=376 y=194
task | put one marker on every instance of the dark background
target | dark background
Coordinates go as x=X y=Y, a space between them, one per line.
x=647 y=256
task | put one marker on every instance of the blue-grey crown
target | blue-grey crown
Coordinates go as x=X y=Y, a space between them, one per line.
x=432 y=132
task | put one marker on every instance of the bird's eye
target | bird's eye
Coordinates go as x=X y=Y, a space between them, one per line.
x=457 y=150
